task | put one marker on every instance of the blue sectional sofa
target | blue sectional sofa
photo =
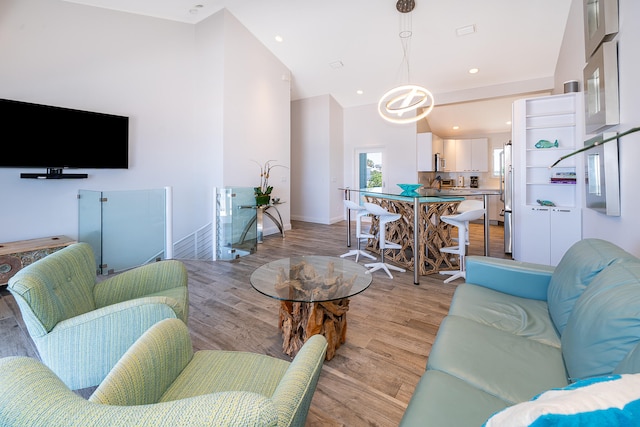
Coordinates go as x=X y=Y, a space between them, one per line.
x=518 y=331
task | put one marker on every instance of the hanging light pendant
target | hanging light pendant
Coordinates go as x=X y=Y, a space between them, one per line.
x=401 y=104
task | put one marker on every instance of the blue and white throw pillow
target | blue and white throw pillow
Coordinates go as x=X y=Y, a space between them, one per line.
x=612 y=400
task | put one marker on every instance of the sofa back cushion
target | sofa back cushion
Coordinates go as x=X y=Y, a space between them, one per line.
x=577 y=268
x=631 y=362
x=59 y=286
x=604 y=325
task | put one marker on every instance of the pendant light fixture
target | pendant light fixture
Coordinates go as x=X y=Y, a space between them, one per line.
x=402 y=104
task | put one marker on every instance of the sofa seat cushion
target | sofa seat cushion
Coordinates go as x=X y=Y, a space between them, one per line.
x=602 y=401
x=577 y=268
x=605 y=323
x=441 y=400
x=212 y=371
x=500 y=363
x=524 y=317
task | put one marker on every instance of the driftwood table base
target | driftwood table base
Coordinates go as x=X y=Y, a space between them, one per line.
x=301 y=320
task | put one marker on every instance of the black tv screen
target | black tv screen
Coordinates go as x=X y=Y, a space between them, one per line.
x=43 y=136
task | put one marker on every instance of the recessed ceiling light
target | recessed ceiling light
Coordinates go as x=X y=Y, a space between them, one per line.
x=467 y=29
x=279 y=38
x=359 y=91
x=473 y=70
x=456 y=127
x=195 y=9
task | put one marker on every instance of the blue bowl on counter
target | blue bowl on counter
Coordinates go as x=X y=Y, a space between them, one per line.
x=409 y=188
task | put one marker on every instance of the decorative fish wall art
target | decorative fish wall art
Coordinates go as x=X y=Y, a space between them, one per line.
x=543 y=143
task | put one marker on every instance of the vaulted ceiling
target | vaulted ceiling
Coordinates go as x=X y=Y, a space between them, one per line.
x=340 y=47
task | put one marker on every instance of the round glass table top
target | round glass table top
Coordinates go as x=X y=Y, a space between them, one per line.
x=311 y=278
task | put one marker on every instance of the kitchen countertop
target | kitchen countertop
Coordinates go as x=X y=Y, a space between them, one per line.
x=429 y=195
x=459 y=191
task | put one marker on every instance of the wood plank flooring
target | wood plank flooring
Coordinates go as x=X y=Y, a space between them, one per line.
x=391 y=325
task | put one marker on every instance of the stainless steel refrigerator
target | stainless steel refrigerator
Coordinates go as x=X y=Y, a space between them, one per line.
x=506 y=184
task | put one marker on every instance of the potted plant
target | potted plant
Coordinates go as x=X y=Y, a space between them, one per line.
x=263 y=192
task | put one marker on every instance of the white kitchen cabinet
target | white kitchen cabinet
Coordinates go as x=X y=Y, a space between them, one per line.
x=542 y=234
x=463 y=155
x=449 y=148
x=424 y=151
x=427 y=144
x=480 y=155
x=467 y=155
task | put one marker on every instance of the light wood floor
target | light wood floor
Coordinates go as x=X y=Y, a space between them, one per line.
x=391 y=328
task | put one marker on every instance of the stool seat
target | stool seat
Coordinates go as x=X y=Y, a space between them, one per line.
x=465 y=206
x=461 y=222
x=360 y=235
x=384 y=217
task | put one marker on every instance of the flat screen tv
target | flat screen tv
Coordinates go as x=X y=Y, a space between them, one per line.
x=56 y=138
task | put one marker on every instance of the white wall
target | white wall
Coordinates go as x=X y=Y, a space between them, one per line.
x=186 y=97
x=622 y=230
x=317 y=160
x=364 y=128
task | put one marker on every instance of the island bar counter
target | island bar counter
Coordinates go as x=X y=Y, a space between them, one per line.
x=420 y=227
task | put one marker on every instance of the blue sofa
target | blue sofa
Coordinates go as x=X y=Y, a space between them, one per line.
x=518 y=331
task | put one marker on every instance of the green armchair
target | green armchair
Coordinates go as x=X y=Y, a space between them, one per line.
x=81 y=327
x=160 y=381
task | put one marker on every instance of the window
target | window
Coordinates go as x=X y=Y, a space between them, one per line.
x=498 y=164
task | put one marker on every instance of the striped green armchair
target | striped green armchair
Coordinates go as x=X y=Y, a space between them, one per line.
x=80 y=327
x=160 y=381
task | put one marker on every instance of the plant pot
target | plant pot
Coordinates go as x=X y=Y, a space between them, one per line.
x=263 y=199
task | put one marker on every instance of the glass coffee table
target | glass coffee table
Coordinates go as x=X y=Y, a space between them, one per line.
x=314 y=292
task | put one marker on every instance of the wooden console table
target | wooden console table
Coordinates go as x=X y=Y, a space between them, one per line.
x=16 y=255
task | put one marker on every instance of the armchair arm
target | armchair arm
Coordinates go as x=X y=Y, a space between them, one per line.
x=521 y=279
x=83 y=349
x=293 y=395
x=32 y=395
x=140 y=281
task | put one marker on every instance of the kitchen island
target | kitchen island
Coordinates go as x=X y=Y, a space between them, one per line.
x=420 y=229
x=469 y=192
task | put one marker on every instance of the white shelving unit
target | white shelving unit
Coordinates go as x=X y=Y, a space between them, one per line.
x=542 y=234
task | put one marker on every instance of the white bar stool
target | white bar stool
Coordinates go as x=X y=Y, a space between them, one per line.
x=468 y=205
x=461 y=221
x=360 y=212
x=384 y=217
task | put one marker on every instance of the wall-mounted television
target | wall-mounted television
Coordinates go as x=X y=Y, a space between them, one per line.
x=56 y=138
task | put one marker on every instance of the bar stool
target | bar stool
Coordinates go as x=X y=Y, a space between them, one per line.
x=360 y=212
x=468 y=205
x=461 y=221
x=384 y=217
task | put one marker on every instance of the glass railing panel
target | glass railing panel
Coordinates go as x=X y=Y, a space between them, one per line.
x=235 y=222
x=133 y=228
x=90 y=222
